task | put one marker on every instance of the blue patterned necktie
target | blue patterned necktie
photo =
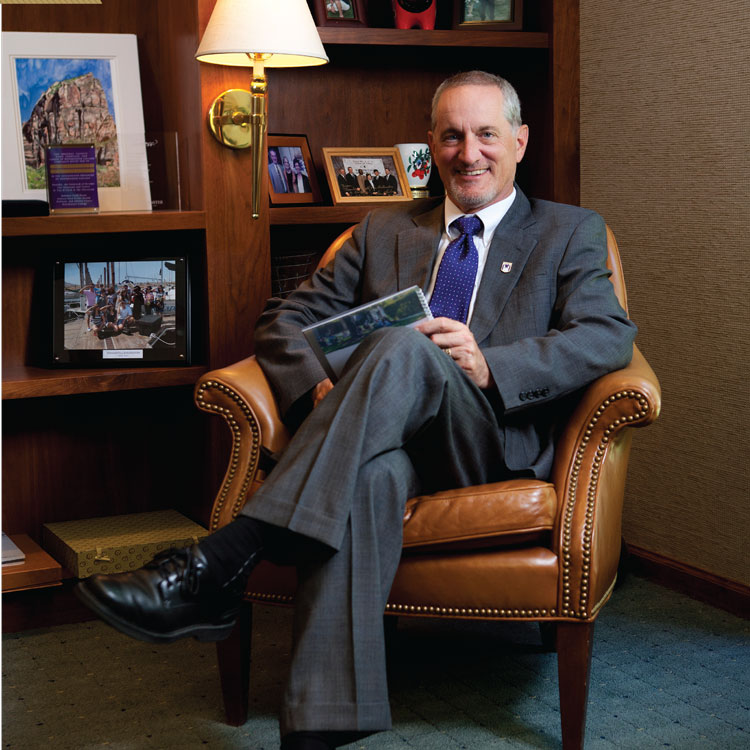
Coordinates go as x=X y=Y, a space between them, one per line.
x=454 y=285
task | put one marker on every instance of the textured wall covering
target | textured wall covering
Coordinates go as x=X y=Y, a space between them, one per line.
x=665 y=116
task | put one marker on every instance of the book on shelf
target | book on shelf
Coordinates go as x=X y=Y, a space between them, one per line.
x=334 y=339
x=12 y=554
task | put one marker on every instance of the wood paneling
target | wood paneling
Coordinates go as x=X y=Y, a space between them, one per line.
x=564 y=107
x=238 y=280
x=100 y=454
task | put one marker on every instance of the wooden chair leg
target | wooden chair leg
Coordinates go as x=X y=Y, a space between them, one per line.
x=234 y=667
x=574 y=645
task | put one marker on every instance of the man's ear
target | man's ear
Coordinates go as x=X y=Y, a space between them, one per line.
x=522 y=140
x=430 y=141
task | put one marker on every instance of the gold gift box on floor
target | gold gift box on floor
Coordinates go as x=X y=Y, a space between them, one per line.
x=118 y=543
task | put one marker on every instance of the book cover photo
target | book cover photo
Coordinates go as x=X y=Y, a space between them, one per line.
x=334 y=339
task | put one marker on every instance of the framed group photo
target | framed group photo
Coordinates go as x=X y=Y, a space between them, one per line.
x=64 y=89
x=492 y=15
x=366 y=175
x=291 y=172
x=339 y=12
x=130 y=310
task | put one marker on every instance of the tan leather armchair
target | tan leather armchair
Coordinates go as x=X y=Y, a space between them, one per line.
x=515 y=550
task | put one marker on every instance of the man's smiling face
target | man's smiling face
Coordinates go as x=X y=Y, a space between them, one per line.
x=474 y=146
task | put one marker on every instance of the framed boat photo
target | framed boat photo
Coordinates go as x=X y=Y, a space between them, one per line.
x=124 y=311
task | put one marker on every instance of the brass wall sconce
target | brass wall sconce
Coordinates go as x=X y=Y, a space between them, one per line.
x=259 y=34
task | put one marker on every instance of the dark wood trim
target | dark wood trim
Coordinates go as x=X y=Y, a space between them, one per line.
x=120 y=221
x=21 y=381
x=346 y=214
x=43 y=608
x=565 y=104
x=696 y=583
x=38 y=570
x=238 y=268
x=436 y=38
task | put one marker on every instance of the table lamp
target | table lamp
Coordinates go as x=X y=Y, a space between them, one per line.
x=259 y=34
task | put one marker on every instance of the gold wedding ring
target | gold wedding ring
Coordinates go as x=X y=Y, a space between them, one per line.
x=448 y=352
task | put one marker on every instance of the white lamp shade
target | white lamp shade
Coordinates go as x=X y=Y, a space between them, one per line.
x=284 y=29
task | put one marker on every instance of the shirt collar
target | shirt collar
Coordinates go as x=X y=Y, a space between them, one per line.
x=490 y=215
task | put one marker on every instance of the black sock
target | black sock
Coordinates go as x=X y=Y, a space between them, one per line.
x=305 y=741
x=228 y=549
x=320 y=740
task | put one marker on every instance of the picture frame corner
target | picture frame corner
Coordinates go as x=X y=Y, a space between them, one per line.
x=514 y=23
x=324 y=19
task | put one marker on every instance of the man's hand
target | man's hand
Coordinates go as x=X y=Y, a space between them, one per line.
x=456 y=340
x=321 y=390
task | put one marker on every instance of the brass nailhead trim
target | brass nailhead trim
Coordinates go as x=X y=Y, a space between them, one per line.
x=588 y=528
x=279 y=598
x=424 y=609
x=427 y=609
x=236 y=452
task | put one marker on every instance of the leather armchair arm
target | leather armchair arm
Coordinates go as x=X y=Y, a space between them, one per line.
x=589 y=477
x=241 y=395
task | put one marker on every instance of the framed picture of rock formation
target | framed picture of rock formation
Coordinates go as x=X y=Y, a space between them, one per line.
x=61 y=89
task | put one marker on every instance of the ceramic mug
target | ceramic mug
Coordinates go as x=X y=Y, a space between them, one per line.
x=418 y=165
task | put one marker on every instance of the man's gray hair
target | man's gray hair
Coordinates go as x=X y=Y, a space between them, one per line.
x=511 y=102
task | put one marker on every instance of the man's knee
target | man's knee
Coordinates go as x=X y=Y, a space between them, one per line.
x=396 y=341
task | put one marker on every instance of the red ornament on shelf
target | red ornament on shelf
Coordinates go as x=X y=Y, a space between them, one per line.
x=414 y=14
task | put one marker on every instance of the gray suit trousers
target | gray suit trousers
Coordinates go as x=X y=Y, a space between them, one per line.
x=403 y=419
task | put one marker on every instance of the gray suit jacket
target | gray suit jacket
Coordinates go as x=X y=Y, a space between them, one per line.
x=546 y=317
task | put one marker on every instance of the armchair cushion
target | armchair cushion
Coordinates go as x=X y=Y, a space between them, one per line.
x=518 y=511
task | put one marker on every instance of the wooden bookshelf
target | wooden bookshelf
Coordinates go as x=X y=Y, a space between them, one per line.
x=39 y=570
x=33 y=382
x=105 y=223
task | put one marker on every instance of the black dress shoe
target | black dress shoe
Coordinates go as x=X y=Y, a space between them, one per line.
x=171 y=597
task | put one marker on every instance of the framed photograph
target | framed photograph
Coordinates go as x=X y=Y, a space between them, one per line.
x=61 y=89
x=339 y=12
x=493 y=15
x=366 y=175
x=131 y=311
x=291 y=172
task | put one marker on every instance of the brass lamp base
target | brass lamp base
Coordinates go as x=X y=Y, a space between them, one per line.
x=229 y=118
x=237 y=118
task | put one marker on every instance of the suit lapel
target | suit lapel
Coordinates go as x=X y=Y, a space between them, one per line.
x=511 y=244
x=414 y=264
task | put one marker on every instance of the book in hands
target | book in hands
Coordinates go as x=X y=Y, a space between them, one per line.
x=334 y=339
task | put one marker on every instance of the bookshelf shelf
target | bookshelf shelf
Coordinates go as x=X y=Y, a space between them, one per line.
x=39 y=570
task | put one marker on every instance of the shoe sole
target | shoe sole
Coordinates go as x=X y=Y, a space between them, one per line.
x=204 y=633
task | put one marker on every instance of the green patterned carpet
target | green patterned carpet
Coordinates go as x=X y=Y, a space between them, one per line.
x=667 y=672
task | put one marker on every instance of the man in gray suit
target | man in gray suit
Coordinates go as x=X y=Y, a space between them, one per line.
x=525 y=316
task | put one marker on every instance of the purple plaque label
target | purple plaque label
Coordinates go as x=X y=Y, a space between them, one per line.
x=71 y=178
